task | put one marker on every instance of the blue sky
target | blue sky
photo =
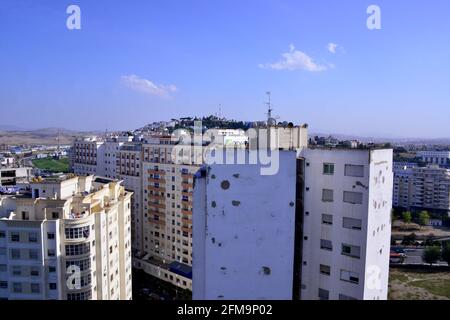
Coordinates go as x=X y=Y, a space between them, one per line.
x=136 y=61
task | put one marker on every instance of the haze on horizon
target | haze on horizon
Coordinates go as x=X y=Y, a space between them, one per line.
x=133 y=64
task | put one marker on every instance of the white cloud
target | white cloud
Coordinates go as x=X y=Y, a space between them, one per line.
x=332 y=47
x=146 y=86
x=295 y=60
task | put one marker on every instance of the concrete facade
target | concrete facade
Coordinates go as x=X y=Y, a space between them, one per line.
x=244 y=227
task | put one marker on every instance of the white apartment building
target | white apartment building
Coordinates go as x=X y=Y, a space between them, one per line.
x=69 y=239
x=244 y=230
x=346 y=223
x=422 y=188
x=435 y=157
x=431 y=189
x=403 y=185
x=318 y=229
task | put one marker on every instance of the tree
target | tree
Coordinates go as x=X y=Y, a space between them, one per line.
x=424 y=218
x=407 y=217
x=446 y=253
x=431 y=255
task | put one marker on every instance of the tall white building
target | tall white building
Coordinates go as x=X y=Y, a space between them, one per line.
x=317 y=229
x=422 y=188
x=346 y=223
x=403 y=185
x=431 y=190
x=244 y=230
x=68 y=239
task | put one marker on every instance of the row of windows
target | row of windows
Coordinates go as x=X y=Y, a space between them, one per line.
x=16 y=254
x=77 y=233
x=16 y=237
x=348 y=223
x=77 y=249
x=348 y=196
x=82 y=264
x=345 y=275
x=325 y=295
x=80 y=296
x=17 y=287
x=346 y=249
x=350 y=170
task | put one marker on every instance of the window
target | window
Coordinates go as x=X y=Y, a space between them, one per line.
x=50 y=236
x=351 y=223
x=2 y=234
x=351 y=251
x=2 y=251
x=349 y=276
x=83 y=264
x=51 y=269
x=324 y=294
x=25 y=215
x=326 y=270
x=35 y=288
x=33 y=254
x=55 y=215
x=344 y=297
x=32 y=237
x=52 y=286
x=17 y=271
x=51 y=252
x=354 y=171
x=326 y=245
x=3 y=267
x=3 y=284
x=15 y=254
x=78 y=249
x=17 y=287
x=327 y=195
x=353 y=197
x=77 y=233
x=328 y=168
x=34 y=271
x=15 y=237
x=327 y=219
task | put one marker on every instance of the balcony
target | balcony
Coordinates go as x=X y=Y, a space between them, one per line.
x=186 y=186
x=186 y=229
x=153 y=180
x=187 y=176
x=158 y=222
x=157 y=189
x=156 y=197
x=157 y=205
x=160 y=172
x=187 y=193
x=186 y=211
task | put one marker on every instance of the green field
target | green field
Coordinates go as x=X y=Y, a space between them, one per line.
x=52 y=165
x=418 y=285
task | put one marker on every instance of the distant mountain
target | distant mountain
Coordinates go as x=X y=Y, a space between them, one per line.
x=7 y=127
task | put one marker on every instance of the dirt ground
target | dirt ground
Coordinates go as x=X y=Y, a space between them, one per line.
x=418 y=285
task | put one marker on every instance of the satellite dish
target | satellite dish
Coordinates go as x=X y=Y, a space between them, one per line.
x=271 y=122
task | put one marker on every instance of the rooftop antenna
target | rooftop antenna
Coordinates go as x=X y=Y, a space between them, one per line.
x=269 y=105
x=271 y=121
x=58 y=141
